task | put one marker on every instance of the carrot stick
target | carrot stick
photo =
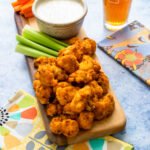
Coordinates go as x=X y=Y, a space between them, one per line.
x=25 y=11
x=17 y=8
x=28 y=15
x=14 y=4
x=26 y=8
x=23 y=1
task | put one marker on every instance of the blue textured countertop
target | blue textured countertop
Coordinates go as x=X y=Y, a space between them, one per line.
x=132 y=93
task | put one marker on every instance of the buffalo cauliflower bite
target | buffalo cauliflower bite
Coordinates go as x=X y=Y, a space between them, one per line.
x=79 y=48
x=59 y=73
x=96 y=90
x=80 y=99
x=89 y=63
x=74 y=50
x=68 y=63
x=51 y=109
x=43 y=93
x=56 y=125
x=103 y=82
x=96 y=94
x=82 y=76
x=46 y=75
x=67 y=109
x=88 y=70
x=60 y=85
x=50 y=75
x=85 y=120
x=65 y=94
x=43 y=61
x=37 y=75
x=73 y=40
x=89 y=46
x=62 y=125
x=70 y=128
x=104 y=107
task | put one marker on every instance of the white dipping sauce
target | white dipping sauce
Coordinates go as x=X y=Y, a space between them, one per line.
x=59 y=11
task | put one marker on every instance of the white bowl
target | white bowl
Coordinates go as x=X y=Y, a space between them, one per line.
x=61 y=30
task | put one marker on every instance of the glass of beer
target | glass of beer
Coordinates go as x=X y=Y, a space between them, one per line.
x=116 y=13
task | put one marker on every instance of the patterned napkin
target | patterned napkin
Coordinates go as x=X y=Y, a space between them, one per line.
x=22 y=128
x=130 y=47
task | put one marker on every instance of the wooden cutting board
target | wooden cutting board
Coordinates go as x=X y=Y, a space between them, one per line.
x=115 y=123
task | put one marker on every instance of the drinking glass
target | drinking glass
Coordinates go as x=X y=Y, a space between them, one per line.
x=116 y=13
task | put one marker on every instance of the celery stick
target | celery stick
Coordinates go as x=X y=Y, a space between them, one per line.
x=55 y=40
x=34 y=36
x=30 y=51
x=31 y=44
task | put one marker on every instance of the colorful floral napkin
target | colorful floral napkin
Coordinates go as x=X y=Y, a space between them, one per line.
x=130 y=46
x=22 y=128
